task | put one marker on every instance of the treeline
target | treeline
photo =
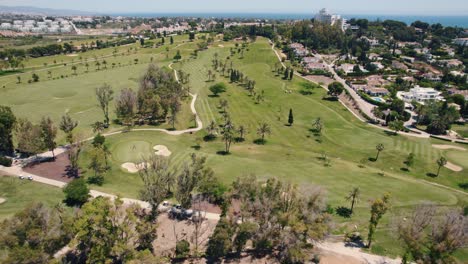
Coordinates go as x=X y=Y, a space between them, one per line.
x=248 y=32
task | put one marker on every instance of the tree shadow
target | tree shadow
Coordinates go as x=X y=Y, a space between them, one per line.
x=223 y=153
x=238 y=139
x=343 y=211
x=259 y=141
x=372 y=159
x=209 y=138
x=196 y=147
x=213 y=95
x=390 y=133
x=463 y=185
x=432 y=175
x=404 y=169
x=71 y=172
x=330 y=98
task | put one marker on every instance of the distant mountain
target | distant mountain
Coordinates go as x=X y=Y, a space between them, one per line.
x=31 y=10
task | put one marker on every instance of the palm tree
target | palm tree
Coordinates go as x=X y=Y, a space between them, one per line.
x=74 y=69
x=242 y=131
x=318 y=125
x=262 y=130
x=380 y=147
x=50 y=74
x=223 y=103
x=104 y=62
x=227 y=138
x=353 y=196
x=441 y=162
x=98 y=65
x=87 y=66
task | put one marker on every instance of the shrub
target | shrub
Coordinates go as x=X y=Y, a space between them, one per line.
x=182 y=249
x=76 y=192
x=5 y=161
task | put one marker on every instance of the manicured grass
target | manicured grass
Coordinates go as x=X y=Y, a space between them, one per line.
x=19 y=193
x=462 y=130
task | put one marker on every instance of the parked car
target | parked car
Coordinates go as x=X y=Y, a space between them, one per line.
x=21 y=177
x=164 y=207
x=177 y=212
x=30 y=178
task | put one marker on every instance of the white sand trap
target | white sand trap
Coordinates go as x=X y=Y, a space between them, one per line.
x=72 y=55
x=453 y=167
x=162 y=150
x=221 y=46
x=132 y=167
x=447 y=147
x=2 y=200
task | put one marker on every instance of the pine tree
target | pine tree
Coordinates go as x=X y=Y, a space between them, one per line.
x=291 y=117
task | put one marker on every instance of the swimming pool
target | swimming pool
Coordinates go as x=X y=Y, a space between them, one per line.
x=378 y=99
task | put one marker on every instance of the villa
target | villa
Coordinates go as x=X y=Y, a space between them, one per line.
x=420 y=94
x=376 y=91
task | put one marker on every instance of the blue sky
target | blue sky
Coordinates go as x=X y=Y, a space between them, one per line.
x=388 y=7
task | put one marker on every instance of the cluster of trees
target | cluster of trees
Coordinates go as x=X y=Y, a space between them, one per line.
x=158 y=96
x=248 y=32
x=273 y=218
x=437 y=116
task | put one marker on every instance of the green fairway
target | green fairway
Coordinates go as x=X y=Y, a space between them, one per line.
x=19 y=193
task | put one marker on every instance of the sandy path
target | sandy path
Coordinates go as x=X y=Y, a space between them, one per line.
x=355 y=253
x=453 y=167
x=447 y=147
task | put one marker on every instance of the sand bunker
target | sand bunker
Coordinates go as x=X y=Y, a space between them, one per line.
x=132 y=167
x=447 y=147
x=162 y=150
x=72 y=55
x=2 y=200
x=453 y=167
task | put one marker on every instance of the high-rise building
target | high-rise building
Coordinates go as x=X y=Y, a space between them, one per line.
x=324 y=16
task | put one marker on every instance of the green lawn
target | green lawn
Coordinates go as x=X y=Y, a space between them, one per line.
x=291 y=153
x=19 y=193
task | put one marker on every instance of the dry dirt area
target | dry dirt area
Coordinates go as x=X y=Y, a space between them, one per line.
x=319 y=79
x=170 y=231
x=56 y=170
x=447 y=147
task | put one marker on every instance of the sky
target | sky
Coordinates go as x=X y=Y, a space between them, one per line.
x=372 y=7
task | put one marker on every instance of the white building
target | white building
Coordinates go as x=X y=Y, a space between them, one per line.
x=324 y=16
x=5 y=26
x=461 y=41
x=420 y=94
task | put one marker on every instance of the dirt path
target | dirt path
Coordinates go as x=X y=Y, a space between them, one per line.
x=355 y=253
x=444 y=147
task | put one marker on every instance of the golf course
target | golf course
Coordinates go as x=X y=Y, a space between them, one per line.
x=342 y=155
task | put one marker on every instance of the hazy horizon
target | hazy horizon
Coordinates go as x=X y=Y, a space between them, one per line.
x=357 y=7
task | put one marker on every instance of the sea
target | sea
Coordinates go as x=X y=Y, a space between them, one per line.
x=459 y=21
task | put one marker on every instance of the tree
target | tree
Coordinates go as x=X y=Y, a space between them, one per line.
x=228 y=137
x=98 y=65
x=290 y=117
x=318 y=125
x=380 y=147
x=220 y=243
x=35 y=234
x=125 y=104
x=97 y=164
x=158 y=178
x=211 y=129
x=104 y=96
x=441 y=162
x=335 y=89
x=262 y=130
x=172 y=40
x=48 y=134
x=35 y=77
x=224 y=104
x=28 y=136
x=73 y=156
x=378 y=208
x=183 y=246
x=74 y=68
x=98 y=126
x=396 y=126
x=218 y=88
x=7 y=124
x=409 y=161
x=429 y=237
x=189 y=178
x=177 y=57
x=109 y=231
x=76 y=192
x=242 y=132
x=67 y=125
x=87 y=67
x=353 y=196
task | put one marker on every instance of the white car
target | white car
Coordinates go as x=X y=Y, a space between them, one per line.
x=30 y=178
x=164 y=207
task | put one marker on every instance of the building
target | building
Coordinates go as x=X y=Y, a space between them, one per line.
x=325 y=17
x=307 y=60
x=420 y=94
x=312 y=66
x=375 y=91
x=456 y=91
x=461 y=41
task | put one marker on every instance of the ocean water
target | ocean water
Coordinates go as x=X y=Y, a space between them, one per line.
x=460 y=21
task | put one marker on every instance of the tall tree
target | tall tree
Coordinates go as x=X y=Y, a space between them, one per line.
x=67 y=125
x=440 y=163
x=48 y=134
x=104 y=95
x=380 y=147
x=263 y=130
x=378 y=208
x=242 y=130
x=290 y=117
x=158 y=178
x=317 y=125
x=28 y=136
x=409 y=161
x=335 y=89
x=7 y=124
x=353 y=196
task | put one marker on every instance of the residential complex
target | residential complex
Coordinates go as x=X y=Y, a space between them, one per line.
x=420 y=94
